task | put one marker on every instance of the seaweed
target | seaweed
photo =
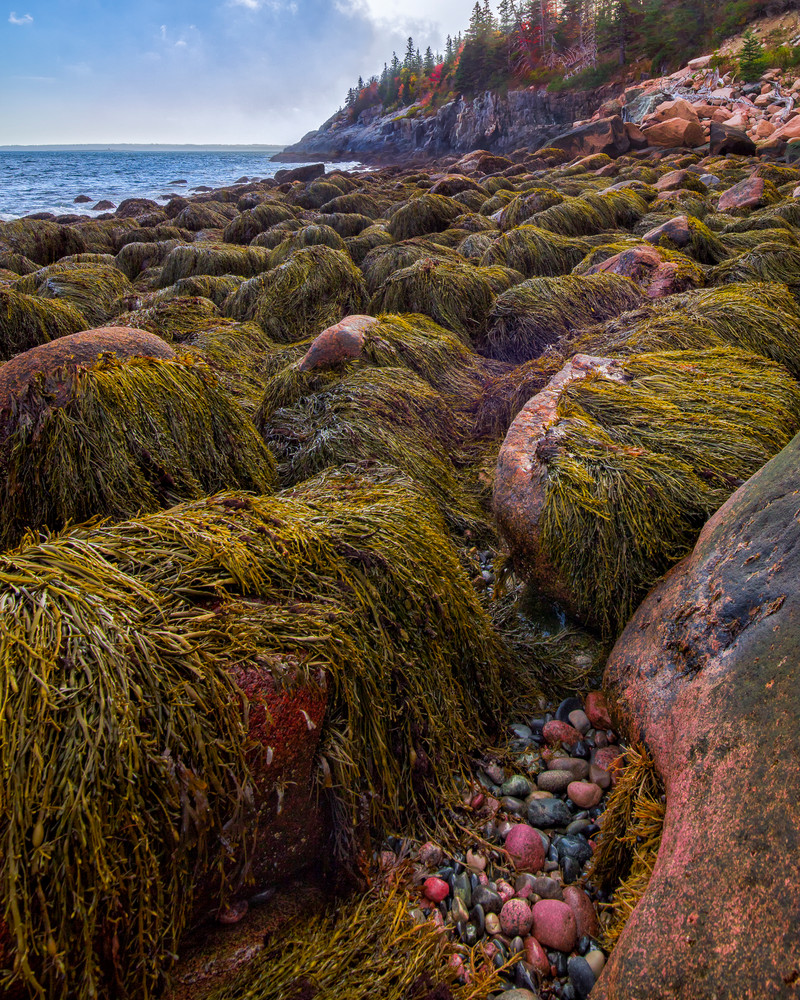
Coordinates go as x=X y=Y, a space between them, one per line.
x=537 y=312
x=536 y=252
x=94 y=290
x=28 y=320
x=123 y=437
x=214 y=259
x=315 y=288
x=428 y=213
x=455 y=295
x=175 y=317
x=634 y=469
x=308 y=236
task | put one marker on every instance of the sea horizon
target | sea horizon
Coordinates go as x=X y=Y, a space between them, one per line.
x=141 y=147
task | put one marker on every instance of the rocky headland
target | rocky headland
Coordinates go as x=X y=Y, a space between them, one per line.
x=398 y=565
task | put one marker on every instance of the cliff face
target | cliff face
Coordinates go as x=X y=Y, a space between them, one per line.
x=524 y=118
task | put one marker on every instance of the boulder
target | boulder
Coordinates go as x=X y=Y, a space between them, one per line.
x=339 y=343
x=674 y=109
x=749 y=193
x=677 y=231
x=310 y=172
x=643 y=105
x=675 y=132
x=606 y=135
x=707 y=674
x=78 y=350
x=656 y=276
x=726 y=139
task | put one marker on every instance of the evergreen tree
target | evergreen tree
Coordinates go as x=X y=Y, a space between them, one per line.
x=475 y=29
x=428 y=63
x=448 y=51
x=751 y=57
x=408 y=62
x=508 y=16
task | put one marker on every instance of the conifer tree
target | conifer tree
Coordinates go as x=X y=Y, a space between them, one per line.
x=751 y=57
x=428 y=63
x=408 y=62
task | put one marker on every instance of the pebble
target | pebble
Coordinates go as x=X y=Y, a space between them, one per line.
x=600 y=776
x=536 y=956
x=518 y=994
x=524 y=733
x=580 y=720
x=581 y=976
x=495 y=773
x=554 y=925
x=548 y=813
x=585 y=794
x=556 y=732
x=596 y=960
x=525 y=847
x=516 y=786
x=435 y=889
x=606 y=757
x=488 y=899
x=567 y=706
x=513 y=805
x=492 y=922
x=476 y=861
x=554 y=781
x=576 y=766
x=458 y=911
x=575 y=847
x=596 y=708
x=504 y=890
x=430 y=854
x=582 y=911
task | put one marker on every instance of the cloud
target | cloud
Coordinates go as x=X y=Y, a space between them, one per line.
x=25 y=20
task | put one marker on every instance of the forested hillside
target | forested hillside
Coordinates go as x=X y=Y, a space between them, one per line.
x=573 y=43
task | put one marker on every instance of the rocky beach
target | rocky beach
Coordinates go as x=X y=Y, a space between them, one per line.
x=397 y=584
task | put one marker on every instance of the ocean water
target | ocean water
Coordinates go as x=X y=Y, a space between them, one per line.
x=49 y=179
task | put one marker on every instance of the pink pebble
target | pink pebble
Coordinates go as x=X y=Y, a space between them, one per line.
x=556 y=732
x=608 y=758
x=585 y=794
x=504 y=890
x=583 y=911
x=430 y=854
x=554 y=925
x=596 y=707
x=435 y=889
x=483 y=878
x=516 y=918
x=525 y=846
x=536 y=956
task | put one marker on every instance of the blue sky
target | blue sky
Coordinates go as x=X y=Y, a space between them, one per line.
x=232 y=71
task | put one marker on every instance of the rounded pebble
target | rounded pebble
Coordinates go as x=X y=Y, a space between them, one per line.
x=556 y=732
x=554 y=781
x=516 y=918
x=582 y=910
x=596 y=708
x=430 y=854
x=492 y=923
x=585 y=794
x=525 y=846
x=554 y=925
x=596 y=960
x=581 y=976
x=536 y=956
x=517 y=786
x=435 y=889
x=577 y=767
x=580 y=720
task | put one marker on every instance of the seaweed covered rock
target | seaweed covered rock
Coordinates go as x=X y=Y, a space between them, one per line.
x=41 y=241
x=308 y=236
x=607 y=135
x=381 y=263
x=244 y=227
x=28 y=320
x=141 y=632
x=428 y=213
x=175 y=318
x=536 y=252
x=389 y=416
x=119 y=437
x=136 y=257
x=693 y=237
x=314 y=289
x=530 y=316
x=657 y=272
x=706 y=675
x=606 y=476
x=95 y=290
x=212 y=258
x=456 y=296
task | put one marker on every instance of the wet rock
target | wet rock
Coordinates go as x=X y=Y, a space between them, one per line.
x=607 y=135
x=82 y=199
x=517 y=786
x=576 y=766
x=435 y=889
x=309 y=172
x=341 y=342
x=516 y=918
x=749 y=193
x=583 y=911
x=675 y=132
x=554 y=925
x=556 y=732
x=585 y=794
x=546 y=813
x=707 y=673
x=554 y=781
x=596 y=708
x=525 y=846
x=488 y=899
x=536 y=956
x=581 y=976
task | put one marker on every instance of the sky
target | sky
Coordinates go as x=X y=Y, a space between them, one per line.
x=197 y=71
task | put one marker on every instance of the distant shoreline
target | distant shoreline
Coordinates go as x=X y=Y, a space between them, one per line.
x=140 y=147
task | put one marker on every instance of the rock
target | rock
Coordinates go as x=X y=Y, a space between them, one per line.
x=430 y=854
x=596 y=961
x=516 y=918
x=556 y=732
x=547 y=888
x=103 y=206
x=706 y=673
x=609 y=758
x=749 y=193
x=520 y=487
x=310 y=172
x=674 y=180
x=596 y=706
x=581 y=976
x=607 y=135
x=487 y=898
x=536 y=956
x=554 y=925
x=435 y=889
x=519 y=994
x=337 y=344
x=600 y=776
x=675 y=132
x=583 y=911
x=724 y=139
x=554 y=781
x=82 y=199
x=764 y=129
x=643 y=105
x=574 y=847
x=670 y=110
x=546 y=813
x=584 y=794
x=699 y=62
x=576 y=766
x=517 y=785
x=525 y=846
x=677 y=231
x=580 y=720
x=635 y=136
x=492 y=923
x=654 y=275
x=78 y=350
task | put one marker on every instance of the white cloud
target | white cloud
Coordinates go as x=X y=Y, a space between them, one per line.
x=448 y=16
x=25 y=20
